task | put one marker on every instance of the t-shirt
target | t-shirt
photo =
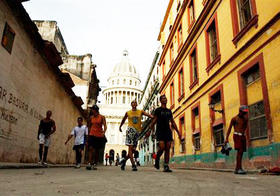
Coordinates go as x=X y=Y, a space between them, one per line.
x=96 y=126
x=45 y=127
x=164 y=116
x=79 y=133
x=134 y=119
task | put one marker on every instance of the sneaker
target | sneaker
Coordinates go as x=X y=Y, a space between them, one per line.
x=239 y=171
x=44 y=163
x=123 y=162
x=134 y=168
x=167 y=169
x=156 y=164
x=40 y=162
x=89 y=167
x=77 y=166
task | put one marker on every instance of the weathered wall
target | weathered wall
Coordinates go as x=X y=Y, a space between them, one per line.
x=28 y=88
x=50 y=31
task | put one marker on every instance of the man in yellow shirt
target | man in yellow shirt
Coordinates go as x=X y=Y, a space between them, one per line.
x=134 y=117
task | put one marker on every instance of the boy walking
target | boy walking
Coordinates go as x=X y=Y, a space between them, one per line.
x=79 y=132
x=240 y=124
x=46 y=129
x=134 y=128
x=163 y=118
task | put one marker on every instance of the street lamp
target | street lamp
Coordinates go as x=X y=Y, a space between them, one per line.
x=212 y=107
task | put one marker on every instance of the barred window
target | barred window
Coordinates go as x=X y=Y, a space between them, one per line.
x=218 y=134
x=245 y=12
x=196 y=141
x=257 y=121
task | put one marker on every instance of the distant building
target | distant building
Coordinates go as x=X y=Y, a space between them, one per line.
x=222 y=54
x=80 y=67
x=123 y=87
x=149 y=102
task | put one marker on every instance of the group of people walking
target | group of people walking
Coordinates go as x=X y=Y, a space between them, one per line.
x=94 y=135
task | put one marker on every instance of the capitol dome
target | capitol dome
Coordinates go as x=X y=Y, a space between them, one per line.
x=123 y=83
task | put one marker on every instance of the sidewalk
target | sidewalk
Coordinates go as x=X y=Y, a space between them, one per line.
x=7 y=165
x=217 y=170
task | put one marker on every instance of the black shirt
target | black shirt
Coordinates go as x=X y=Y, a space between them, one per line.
x=164 y=116
x=45 y=127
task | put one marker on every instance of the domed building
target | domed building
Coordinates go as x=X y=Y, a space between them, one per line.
x=123 y=87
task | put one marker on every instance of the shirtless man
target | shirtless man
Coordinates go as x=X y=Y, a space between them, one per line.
x=240 y=124
x=46 y=129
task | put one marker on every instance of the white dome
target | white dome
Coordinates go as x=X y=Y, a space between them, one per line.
x=124 y=68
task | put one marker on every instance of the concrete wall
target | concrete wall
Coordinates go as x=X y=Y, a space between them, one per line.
x=28 y=88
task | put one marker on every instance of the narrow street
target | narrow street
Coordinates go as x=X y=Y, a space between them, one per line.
x=147 y=181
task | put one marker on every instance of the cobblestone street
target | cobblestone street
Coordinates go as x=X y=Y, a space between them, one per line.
x=147 y=181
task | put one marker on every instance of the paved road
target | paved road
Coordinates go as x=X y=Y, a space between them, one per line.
x=147 y=181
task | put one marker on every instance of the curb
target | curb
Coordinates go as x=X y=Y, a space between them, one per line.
x=215 y=170
x=31 y=166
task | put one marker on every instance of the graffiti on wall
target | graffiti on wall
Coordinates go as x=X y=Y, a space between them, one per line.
x=12 y=105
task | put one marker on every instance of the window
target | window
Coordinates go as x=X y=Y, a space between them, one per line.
x=123 y=99
x=130 y=82
x=172 y=95
x=212 y=43
x=245 y=12
x=163 y=71
x=196 y=126
x=124 y=81
x=218 y=135
x=181 y=83
x=118 y=81
x=180 y=36
x=171 y=54
x=252 y=75
x=244 y=16
x=113 y=82
x=193 y=68
x=191 y=16
x=196 y=141
x=182 y=130
x=111 y=100
x=8 y=38
x=257 y=121
x=135 y=83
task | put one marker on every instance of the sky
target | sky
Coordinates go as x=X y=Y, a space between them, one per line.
x=105 y=29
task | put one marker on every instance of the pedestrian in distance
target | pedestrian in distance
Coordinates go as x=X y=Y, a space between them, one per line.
x=163 y=118
x=46 y=129
x=96 y=137
x=80 y=133
x=111 y=159
x=240 y=124
x=117 y=159
x=106 y=159
x=134 y=128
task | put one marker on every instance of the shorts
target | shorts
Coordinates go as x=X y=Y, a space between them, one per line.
x=164 y=136
x=44 y=140
x=96 y=142
x=131 y=136
x=239 y=142
x=79 y=147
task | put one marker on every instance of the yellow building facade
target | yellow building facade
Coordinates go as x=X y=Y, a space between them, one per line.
x=223 y=53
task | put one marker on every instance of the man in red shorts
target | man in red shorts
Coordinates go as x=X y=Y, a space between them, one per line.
x=240 y=124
